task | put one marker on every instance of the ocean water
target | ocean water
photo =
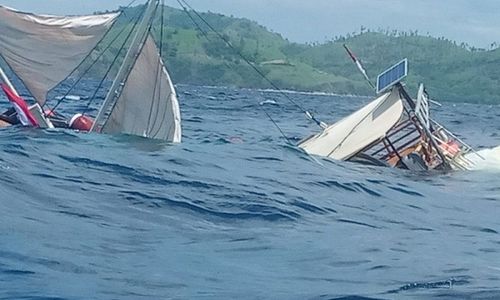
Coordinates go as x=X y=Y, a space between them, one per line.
x=235 y=213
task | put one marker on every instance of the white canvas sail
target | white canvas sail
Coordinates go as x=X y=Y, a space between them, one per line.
x=43 y=50
x=347 y=137
x=147 y=105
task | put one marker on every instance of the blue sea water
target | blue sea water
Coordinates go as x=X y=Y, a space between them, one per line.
x=235 y=213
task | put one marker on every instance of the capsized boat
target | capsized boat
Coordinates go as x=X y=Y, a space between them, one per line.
x=393 y=130
x=43 y=51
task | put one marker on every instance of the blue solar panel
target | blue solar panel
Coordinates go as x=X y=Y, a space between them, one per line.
x=392 y=76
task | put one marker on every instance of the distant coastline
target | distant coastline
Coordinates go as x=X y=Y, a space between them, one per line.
x=450 y=70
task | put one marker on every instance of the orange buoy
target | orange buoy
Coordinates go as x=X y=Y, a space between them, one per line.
x=81 y=122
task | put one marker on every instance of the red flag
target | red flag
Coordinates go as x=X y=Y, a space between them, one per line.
x=23 y=113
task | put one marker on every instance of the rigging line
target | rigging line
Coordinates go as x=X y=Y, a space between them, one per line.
x=207 y=37
x=205 y=34
x=123 y=10
x=169 y=96
x=159 y=72
x=171 y=93
x=101 y=83
x=161 y=26
x=308 y=114
x=164 y=116
x=90 y=67
x=129 y=5
x=278 y=127
x=195 y=23
x=2 y=59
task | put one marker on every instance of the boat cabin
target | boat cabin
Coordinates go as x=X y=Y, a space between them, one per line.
x=393 y=130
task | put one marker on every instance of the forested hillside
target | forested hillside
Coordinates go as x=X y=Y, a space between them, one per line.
x=196 y=55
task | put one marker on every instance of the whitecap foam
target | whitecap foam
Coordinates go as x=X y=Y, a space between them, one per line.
x=488 y=159
x=272 y=102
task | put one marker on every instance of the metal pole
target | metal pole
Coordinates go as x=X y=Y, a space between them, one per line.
x=5 y=80
x=360 y=67
x=128 y=62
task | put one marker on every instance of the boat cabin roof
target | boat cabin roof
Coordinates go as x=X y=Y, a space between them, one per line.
x=354 y=133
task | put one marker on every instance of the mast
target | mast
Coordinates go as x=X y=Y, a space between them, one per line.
x=38 y=113
x=127 y=65
x=5 y=80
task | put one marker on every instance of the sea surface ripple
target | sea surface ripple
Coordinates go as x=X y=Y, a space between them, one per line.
x=235 y=213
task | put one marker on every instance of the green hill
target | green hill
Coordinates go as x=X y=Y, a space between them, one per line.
x=195 y=55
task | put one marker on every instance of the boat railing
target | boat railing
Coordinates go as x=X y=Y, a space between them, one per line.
x=400 y=137
x=459 y=158
x=449 y=133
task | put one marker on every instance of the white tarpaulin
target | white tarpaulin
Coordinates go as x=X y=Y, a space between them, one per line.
x=148 y=104
x=44 y=50
x=347 y=137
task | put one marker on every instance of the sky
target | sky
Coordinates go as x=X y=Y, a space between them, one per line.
x=476 y=22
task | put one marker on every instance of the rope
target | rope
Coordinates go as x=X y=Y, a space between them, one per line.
x=309 y=115
x=279 y=128
x=205 y=34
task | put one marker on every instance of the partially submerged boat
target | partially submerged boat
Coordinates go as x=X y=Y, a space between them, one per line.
x=43 y=51
x=393 y=130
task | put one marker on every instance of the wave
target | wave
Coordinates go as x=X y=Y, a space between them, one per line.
x=487 y=160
